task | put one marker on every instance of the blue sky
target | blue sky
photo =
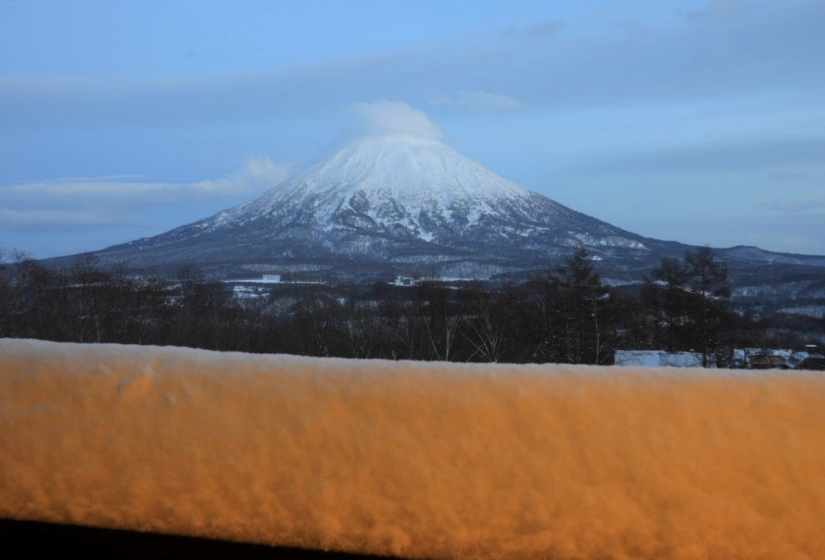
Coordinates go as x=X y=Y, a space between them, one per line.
x=699 y=121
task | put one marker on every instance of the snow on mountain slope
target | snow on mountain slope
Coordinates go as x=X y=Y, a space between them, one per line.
x=415 y=175
x=400 y=185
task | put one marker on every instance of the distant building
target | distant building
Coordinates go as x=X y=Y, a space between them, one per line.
x=660 y=358
x=405 y=281
x=769 y=358
x=743 y=358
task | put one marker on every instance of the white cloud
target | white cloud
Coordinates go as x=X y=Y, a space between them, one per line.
x=111 y=201
x=479 y=101
x=392 y=118
x=256 y=175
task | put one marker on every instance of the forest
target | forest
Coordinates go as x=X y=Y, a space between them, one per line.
x=563 y=315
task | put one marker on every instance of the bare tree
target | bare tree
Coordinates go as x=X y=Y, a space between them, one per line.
x=486 y=331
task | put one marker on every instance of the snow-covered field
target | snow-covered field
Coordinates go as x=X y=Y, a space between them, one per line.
x=413 y=459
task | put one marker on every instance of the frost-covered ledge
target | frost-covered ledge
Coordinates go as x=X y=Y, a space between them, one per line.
x=414 y=459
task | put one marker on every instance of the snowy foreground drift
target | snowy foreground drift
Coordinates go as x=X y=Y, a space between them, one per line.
x=412 y=459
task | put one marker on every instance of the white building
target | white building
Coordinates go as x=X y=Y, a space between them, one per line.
x=660 y=358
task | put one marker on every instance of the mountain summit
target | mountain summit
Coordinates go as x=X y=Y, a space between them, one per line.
x=381 y=191
x=401 y=186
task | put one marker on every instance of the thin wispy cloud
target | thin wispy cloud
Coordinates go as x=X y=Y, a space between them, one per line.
x=39 y=220
x=796 y=206
x=72 y=203
x=725 y=155
x=670 y=64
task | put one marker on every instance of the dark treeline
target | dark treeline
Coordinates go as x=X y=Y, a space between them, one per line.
x=565 y=315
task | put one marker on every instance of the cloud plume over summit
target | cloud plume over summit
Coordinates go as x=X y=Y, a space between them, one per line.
x=393 y=118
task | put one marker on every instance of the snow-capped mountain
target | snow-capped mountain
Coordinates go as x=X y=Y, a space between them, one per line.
x=395 y=204
x=396 y=199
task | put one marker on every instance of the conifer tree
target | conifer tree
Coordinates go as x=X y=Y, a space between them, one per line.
x=710 y=291
x=583 y=292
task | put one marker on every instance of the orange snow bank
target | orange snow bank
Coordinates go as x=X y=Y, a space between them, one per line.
x=413 y=459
